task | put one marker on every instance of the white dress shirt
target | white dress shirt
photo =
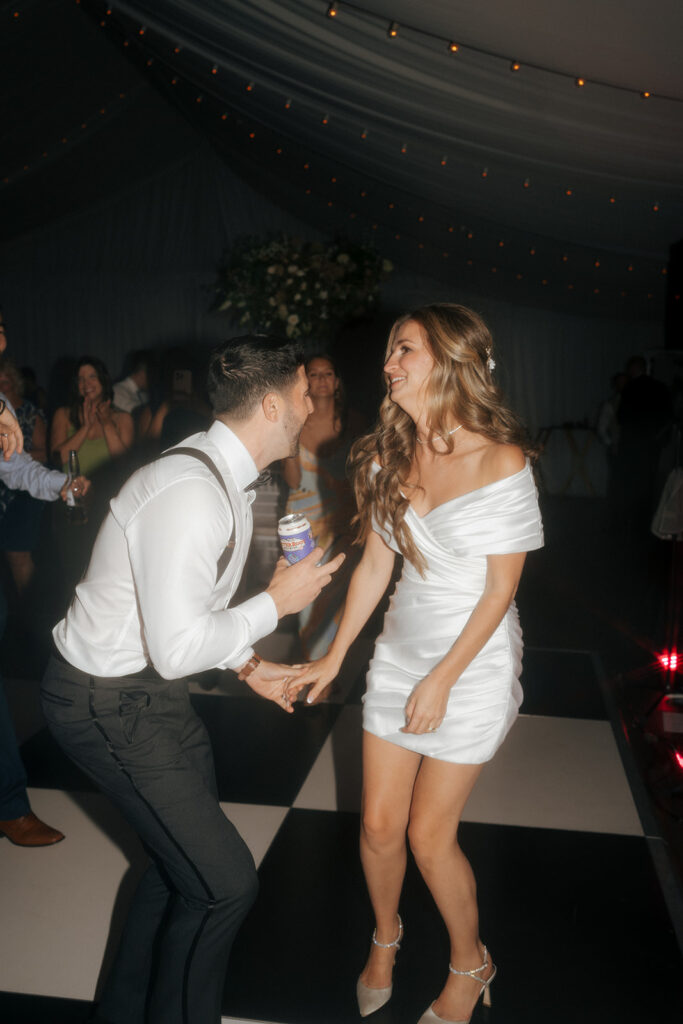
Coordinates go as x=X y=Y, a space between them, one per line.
x=150 y=592
x=127 y=395
x=22 y=473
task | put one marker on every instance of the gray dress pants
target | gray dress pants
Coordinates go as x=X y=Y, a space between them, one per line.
x=140 y=740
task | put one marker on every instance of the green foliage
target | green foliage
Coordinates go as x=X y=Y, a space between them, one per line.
x=298 y=288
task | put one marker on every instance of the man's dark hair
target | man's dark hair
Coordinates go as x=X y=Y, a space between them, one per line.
x=243 y=370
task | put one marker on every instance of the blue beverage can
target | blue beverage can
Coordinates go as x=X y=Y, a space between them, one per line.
x=296 y=537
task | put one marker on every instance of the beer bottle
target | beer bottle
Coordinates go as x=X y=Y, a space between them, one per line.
x=75 y=510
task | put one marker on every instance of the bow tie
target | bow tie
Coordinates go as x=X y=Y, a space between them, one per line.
x=261 y=479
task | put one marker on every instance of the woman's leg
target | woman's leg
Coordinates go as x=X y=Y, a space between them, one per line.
x=440 y=794
x=388 y=778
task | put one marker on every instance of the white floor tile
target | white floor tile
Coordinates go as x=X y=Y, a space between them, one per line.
x=58 y=902
x=560 y=773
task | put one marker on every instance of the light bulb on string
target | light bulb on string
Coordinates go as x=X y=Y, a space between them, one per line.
x=515 y=66
x=579 y=82
x=332 y=11
x=392 y=31
x=453 y=47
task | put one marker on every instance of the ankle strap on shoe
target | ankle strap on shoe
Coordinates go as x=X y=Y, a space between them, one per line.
x=475 y=970
x=397 y=941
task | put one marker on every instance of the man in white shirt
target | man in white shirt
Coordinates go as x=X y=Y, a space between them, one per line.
x=157 y=593
x=131 y=392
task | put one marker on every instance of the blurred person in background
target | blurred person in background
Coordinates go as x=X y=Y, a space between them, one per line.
x=320 y=490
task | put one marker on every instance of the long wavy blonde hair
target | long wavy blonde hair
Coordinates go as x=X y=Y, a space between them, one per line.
x=460 y=387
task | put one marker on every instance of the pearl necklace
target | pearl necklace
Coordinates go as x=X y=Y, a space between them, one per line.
x=442 y=436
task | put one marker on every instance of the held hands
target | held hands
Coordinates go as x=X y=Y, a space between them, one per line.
x=80 y=486
x=426 y=706
x=293 y=587
x=270 y=680
x=319 y=673
x=11 y=437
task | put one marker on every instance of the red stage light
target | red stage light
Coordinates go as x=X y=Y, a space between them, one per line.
x=679 y=758
x=669 y=660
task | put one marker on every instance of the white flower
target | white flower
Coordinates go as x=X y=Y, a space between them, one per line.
x=309 y=302
x=297 y=296
x=292 y=268
x=387 y=266
x=292 y=319
x=282 y=311
x=271 y=269
x=272 y=301
x=343 y=257
x=323 y=294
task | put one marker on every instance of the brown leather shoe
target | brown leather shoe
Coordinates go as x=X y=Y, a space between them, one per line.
x=30 y=831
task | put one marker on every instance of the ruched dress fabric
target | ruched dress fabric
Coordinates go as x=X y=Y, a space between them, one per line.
x=426 y=615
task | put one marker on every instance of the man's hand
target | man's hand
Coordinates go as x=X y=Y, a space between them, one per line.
x=293 y=587
x=270 y=680
x=11 y=437
x=80 y=486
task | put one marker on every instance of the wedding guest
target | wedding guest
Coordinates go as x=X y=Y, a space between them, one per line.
x=18 y=470
x=89 y=424
x=20 y=512
x=132 y=392
x=320 y=490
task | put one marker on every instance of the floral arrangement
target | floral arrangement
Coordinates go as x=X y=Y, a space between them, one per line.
x=299 y=288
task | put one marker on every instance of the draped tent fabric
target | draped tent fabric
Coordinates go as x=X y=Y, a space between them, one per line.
x=111 y=240
x=449 y=138
x=137 y=271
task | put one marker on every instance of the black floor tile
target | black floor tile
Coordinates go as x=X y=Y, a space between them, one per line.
x=563 y=684
x=47 y=767
x=23 y=1009
x=263 y=755
x=575 y=921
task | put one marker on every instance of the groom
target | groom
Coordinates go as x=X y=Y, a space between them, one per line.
x=153 y=608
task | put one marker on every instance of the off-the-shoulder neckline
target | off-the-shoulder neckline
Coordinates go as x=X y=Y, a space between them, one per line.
x=468 y=494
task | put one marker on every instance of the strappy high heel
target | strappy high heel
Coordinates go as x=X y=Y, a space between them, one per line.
x=370 y=999
x=430 y=1017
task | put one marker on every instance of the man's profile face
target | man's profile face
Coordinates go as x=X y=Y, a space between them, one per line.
x=298 y=407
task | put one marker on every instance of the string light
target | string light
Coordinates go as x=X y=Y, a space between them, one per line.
x=444 y=161
x=485 y=172
x=453 y=47
x=526 y=183
x=288 y=103
x=250 y=87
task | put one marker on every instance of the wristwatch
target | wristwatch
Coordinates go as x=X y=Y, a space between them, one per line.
x=249 y=667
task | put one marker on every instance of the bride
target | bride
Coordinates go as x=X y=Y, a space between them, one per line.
x=444 y=480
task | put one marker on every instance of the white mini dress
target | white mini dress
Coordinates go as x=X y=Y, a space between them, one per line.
x=427 y=614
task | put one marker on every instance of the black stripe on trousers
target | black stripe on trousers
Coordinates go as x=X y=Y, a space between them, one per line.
x=212 y=899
